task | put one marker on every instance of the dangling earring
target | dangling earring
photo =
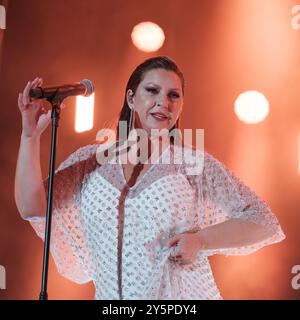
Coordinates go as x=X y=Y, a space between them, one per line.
x=175 y=138
x=131 y=120
x=131 y=135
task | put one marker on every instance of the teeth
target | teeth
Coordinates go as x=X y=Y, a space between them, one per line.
x=159 y=116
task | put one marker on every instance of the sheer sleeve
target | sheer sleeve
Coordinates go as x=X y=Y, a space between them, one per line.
x=223 y=196
x=68 y=244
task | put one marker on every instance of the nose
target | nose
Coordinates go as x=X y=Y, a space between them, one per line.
x=163 y=100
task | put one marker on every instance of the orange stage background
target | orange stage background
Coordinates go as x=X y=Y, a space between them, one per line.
x=224 y=47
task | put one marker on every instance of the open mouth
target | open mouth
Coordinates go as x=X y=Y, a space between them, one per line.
x=159 y=116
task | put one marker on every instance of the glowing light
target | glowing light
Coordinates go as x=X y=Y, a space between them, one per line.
x=2 y=17
x=2 y=278
x=147 y=36
x=84 y=119
x=299 y=152
x=251 y=107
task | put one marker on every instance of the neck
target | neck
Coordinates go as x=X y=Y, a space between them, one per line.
x=154 y=146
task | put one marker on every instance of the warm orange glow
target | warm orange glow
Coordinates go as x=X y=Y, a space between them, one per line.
x=223 y=48
x=251 y=107
x=299 y=152
x=84 y=119
x=147 y=36
x=2 y=17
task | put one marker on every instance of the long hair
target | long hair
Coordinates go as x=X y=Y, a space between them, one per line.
x=137 y=76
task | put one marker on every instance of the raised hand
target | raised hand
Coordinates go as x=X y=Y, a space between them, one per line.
x=35 y=117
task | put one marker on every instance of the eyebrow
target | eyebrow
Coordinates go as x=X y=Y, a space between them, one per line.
x=177 y=89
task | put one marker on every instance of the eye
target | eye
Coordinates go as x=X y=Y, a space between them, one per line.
x=152 y=90
x=175 y=95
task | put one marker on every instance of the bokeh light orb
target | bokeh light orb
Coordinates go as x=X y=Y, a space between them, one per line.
x=148 y=36
x=251 y=107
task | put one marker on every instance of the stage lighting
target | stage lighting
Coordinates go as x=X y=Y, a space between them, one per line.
x=84 y=119
x=2 y=18
x=299 y=153
x=147 y=36
x=251 y=107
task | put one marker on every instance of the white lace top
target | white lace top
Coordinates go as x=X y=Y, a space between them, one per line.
x=116 y=236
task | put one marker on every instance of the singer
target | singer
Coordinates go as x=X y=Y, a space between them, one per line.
x=146 y=230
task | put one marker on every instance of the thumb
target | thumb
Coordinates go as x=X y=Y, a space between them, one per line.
x=174 y=240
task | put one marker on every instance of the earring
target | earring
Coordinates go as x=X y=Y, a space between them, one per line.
x=132 y=119
x=175 y=136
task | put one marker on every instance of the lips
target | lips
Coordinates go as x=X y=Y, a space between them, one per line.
x=159 y=116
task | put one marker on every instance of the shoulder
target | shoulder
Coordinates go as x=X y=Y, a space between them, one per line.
x=191 y=158
x=81 y=154
x=202 y=161
x=217 y=171
x=211 y=160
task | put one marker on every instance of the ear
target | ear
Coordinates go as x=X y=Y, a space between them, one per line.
x=130 y=98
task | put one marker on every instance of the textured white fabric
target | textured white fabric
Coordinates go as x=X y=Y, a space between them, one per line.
x=89 y=197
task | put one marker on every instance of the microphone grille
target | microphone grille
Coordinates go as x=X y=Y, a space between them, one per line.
x=89 y=87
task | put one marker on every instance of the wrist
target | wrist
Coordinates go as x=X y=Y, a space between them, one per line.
x=30 y=138
x=203 y=239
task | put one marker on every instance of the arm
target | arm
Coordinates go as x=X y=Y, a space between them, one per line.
x=219 y=238
x=30 y=194
x=68 y=239
x=231 y=234
x=235 y=220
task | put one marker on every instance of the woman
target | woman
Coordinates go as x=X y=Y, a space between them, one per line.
x=140 y=231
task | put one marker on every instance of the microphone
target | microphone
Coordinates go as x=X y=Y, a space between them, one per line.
x=85 y=87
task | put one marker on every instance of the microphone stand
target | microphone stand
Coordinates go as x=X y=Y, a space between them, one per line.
x=55 y=115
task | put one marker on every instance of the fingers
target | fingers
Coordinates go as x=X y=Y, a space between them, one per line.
x=174 y=240
x=179 y=259
x=24 y=99
x=25 y=95
x=36 y=82
x=30 y=85
x=39 y=111
x=175 y=258
x=20 y=103
x=40 y=82
x=46 y=117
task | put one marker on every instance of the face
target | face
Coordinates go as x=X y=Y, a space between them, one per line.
x=157 y=101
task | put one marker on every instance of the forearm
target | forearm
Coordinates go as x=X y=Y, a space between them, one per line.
x=231 y=234
x=29 y=189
